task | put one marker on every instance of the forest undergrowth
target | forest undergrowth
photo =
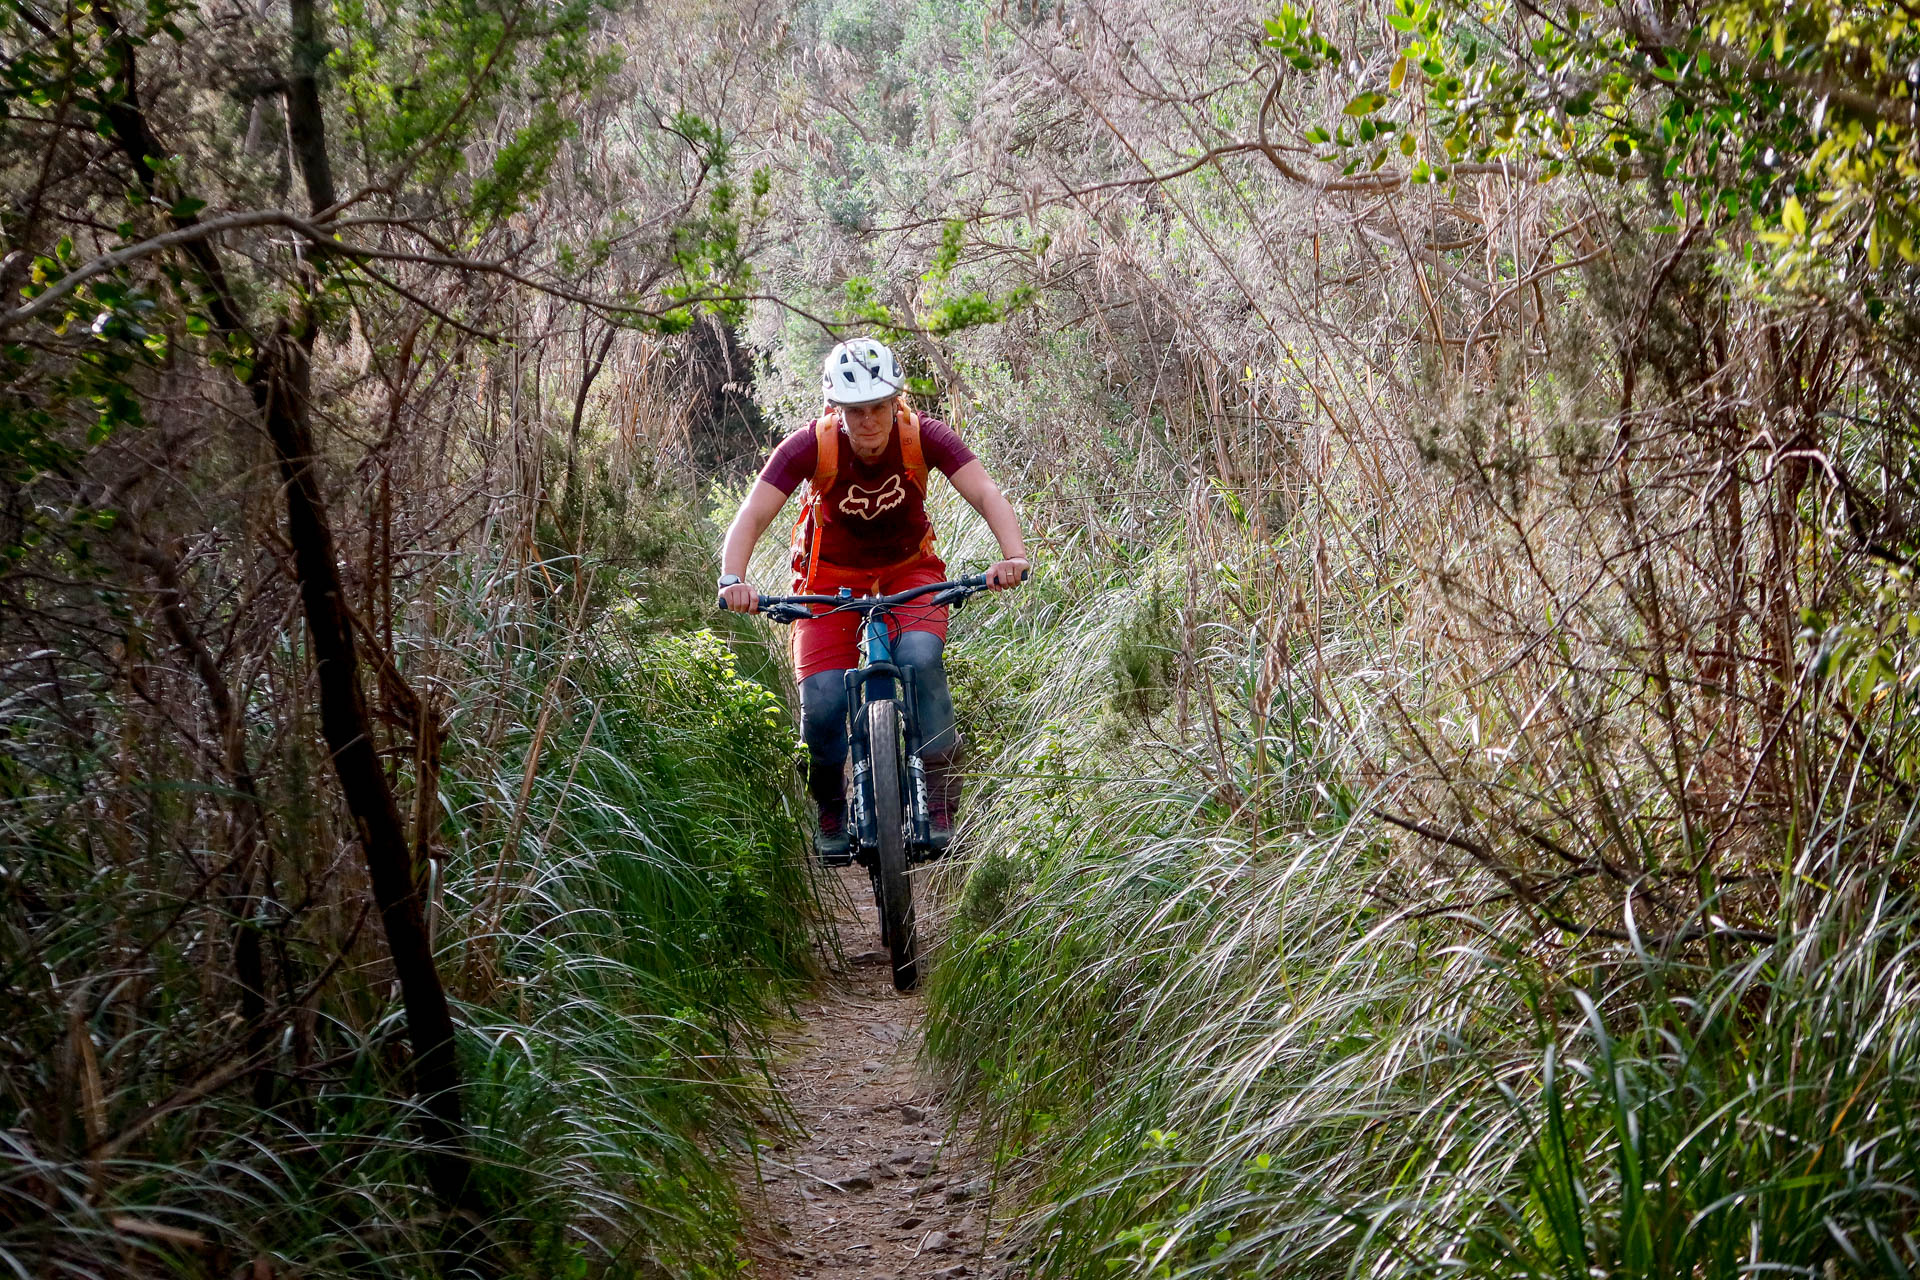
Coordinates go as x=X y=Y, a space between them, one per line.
x=397 y=873
x=616 y=895
x=1204 y=1053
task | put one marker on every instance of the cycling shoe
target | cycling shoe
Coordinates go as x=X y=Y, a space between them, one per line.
x=831 y=843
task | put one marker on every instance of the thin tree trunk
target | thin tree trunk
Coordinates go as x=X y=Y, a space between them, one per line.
x=306 y=129
x=348 y=730
x=573 y=503
x=283 y=386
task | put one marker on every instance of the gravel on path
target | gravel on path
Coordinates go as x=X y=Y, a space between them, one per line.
x=874 y=1186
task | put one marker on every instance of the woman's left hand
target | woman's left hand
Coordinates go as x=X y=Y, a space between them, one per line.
x=1007 y=573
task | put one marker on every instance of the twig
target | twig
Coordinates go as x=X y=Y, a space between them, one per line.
x=805 y=1174
x=1525 y=893
x=318 y=233
x=188 y=234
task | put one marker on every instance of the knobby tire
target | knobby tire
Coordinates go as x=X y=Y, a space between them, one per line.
x=893 y=890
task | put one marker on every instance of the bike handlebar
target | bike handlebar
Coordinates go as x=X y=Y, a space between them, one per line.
x=789 y=609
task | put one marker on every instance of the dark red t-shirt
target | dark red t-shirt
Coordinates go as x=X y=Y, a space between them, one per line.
x=874 y=514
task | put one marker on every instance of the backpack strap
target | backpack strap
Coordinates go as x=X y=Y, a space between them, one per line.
x=826 y=451
x=907 y=422
x=915 y=460
x=808 y=527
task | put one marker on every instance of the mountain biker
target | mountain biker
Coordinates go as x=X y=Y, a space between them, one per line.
x=865 y=526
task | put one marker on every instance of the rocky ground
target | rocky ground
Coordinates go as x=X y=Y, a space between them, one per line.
x=877 y=1184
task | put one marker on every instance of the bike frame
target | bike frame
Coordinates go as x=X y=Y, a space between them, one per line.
x=873 y=680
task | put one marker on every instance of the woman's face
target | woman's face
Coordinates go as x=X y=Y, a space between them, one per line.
x=868 y=424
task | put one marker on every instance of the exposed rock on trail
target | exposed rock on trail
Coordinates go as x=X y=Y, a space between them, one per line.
x=873 y=1187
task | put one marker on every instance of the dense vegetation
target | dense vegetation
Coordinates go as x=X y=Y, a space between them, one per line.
x=1445 y=800
x=397 y=877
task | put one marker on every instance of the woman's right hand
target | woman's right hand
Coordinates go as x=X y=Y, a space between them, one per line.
x=740 y=598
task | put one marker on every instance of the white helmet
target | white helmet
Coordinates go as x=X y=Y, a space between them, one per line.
x=861 y=372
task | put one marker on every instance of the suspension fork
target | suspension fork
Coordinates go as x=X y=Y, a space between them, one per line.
x=860 y=754
x=901 y=686
x=918 y=807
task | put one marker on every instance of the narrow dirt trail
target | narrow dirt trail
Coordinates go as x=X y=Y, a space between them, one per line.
x=875 y=1186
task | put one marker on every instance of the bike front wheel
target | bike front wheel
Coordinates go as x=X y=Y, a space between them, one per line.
x=892 y=887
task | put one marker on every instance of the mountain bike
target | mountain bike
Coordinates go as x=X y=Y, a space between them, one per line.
x=889 y=821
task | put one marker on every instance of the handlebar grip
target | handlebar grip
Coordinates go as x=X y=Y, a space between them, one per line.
x=980 y=579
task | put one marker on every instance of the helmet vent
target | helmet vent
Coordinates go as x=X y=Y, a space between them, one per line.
x=868 y=372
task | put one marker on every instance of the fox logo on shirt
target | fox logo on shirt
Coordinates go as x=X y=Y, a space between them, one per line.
x=868 y=503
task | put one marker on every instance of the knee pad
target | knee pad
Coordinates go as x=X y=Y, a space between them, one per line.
x=922 y=650
x=823 y=726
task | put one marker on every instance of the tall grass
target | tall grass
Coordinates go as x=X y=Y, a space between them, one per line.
x=620 y=899
x=1209 y=1044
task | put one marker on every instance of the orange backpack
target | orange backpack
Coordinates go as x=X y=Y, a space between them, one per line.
x=826 y=467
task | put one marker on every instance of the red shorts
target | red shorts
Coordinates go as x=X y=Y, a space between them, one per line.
x=832 y=643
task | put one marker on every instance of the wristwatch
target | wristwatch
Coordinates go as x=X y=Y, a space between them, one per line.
x=730 y=580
